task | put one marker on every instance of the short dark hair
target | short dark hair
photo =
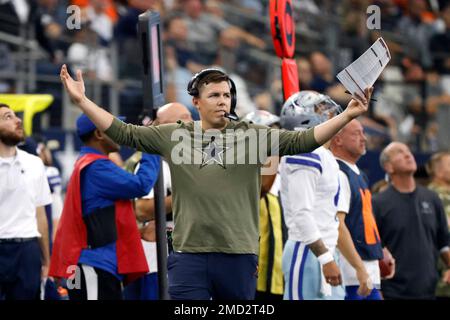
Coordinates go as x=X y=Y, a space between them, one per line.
x=3 y=105
x=213 y=77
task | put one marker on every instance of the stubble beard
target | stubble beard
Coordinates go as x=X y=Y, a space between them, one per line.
x=11 y=139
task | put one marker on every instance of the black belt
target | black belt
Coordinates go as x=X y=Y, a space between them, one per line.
x=17 y=240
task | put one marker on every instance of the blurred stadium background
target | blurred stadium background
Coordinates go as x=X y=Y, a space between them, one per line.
x=413 y=94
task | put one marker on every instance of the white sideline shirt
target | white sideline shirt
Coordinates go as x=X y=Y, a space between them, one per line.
x=23 y=188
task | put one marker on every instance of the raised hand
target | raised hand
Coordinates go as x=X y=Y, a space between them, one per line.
x=75 y=88
x=358 y=105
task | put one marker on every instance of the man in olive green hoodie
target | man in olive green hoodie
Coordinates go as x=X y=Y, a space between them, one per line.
x=215 y=166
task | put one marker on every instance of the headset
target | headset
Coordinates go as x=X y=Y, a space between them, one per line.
x=193 y=90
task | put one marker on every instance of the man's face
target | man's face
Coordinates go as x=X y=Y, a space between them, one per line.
x=304 y=71
x=320 y=64
x=193 y=8
x=213 y=101
x=178 y=29
x=443 y=169
x=401 y=160
x=11 y=129
x=353 y=139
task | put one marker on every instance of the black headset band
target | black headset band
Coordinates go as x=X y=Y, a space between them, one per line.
x=195 y=80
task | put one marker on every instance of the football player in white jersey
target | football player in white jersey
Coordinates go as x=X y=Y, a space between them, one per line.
x=309 y=195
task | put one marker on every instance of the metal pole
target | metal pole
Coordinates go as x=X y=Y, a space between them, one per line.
x=31 y=63
x=114 y=88
x=423 y=116
x=21 y=79
x=161 y=237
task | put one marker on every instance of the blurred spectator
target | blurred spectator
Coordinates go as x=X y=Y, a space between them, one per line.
x=256 y=7
x=438 y=168
x=414 y=90
x=52 y=15
x=308 y=6
x=324 y=79
x=390 y=14
x=24 y=19
x=323 y=76
x=400 y=102
x=177 y=46
x=388 y=108
x=7 y=65
x=440 y=44
x=181 y=62
x=86 y=55
x=354 y=25
x=416 y=29
x=203 y=30
x=438 y=109
x=235 y=31
x=109 y=7
x=263 y=101
x=206 y=28
x=99 y=21
x=305 y=75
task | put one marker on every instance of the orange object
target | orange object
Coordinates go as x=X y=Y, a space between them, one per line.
x=289 y=75
x=62 y=291
x=110 y=9
x=371 y=234
x=283 y=27
x=428 y=17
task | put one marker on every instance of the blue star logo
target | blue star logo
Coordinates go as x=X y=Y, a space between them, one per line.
x=212 y=153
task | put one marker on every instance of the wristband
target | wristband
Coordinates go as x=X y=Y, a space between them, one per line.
x=325 y=258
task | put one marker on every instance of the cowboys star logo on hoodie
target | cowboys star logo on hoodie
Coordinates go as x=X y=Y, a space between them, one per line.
x=212 y=153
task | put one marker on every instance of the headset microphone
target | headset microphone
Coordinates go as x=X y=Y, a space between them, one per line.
x=231 y=116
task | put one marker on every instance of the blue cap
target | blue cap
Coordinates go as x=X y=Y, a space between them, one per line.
x=85 y=125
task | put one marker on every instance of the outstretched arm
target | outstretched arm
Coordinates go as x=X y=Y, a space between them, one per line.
x=356 y=107
x=75 y=88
